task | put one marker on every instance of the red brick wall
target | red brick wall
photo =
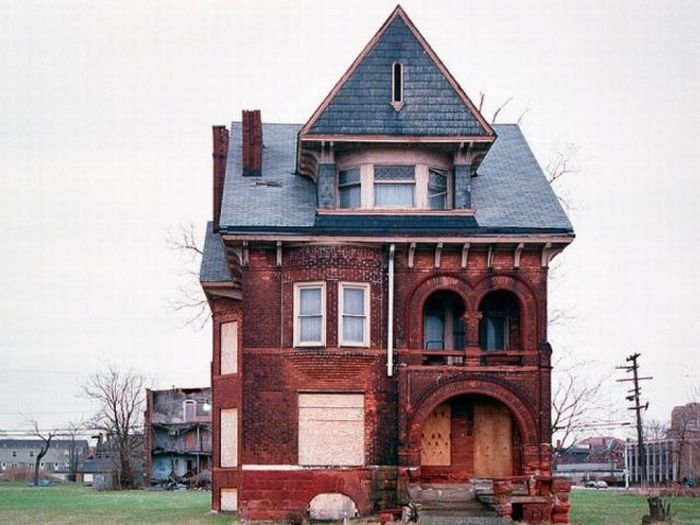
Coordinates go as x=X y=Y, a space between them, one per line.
x=272 y=372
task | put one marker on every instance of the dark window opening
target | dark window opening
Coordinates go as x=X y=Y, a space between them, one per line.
x=499 y=327
x=349 y=188
x=398 y=82
x=443 y=323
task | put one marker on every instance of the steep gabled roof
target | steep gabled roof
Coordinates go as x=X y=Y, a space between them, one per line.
x=434 y=103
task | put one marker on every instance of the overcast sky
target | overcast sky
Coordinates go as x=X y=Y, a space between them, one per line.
x=105 y=146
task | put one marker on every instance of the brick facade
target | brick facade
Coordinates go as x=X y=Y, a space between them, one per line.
x=450 y=379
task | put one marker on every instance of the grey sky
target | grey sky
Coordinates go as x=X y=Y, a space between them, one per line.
x=105 y=145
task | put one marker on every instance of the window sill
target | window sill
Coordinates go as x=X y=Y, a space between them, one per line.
x=459 y=212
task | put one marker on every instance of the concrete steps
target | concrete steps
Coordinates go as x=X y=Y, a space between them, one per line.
x=452 y=504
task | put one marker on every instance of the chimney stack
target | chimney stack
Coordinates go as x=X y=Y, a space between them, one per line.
x=219 y=154
x=252 y=143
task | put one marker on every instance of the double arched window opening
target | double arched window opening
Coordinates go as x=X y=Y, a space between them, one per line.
x=444 y=326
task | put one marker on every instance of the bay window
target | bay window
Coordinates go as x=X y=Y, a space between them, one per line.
x=394 y=186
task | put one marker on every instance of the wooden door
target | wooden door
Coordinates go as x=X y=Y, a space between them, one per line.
x=436 y=440
x=493 y=441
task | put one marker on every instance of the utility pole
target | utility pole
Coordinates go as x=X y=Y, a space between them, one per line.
x=634 y=396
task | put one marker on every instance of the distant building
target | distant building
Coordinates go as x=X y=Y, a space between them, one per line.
x=177 y=429
x=675 y=458
x=101 y=468
x=60 y=460
x=593 y=458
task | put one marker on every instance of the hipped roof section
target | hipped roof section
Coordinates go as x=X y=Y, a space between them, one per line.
x=358 y=107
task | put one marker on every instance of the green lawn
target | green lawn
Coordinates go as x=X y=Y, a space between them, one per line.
x=69 y=504
x=612 y=507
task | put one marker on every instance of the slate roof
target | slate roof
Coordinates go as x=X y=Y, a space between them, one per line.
x=510 y=191
x=213 y=268
x=510 y=195
x=431 y=104
x=278 y=198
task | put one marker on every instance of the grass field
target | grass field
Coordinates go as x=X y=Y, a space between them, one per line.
x=69 y=504
x=76 y=505
x=612 y=507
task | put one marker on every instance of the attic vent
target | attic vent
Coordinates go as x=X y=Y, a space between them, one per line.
x=397 y=86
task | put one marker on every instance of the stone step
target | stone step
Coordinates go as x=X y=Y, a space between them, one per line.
x=441 y=492
x=452 y=517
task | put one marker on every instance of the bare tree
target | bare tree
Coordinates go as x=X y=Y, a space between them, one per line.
x=654 y=429
x=46 y=438
x=576 y=407
x=189 y=301
x=121 y=397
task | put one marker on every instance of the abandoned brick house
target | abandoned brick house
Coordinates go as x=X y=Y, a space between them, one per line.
x=177 y=429
x=378 y=284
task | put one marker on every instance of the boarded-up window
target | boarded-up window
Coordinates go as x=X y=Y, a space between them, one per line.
x=229 y=437
x=331 y=429
x=229 y=348
x=229 y=500
x=189 y=408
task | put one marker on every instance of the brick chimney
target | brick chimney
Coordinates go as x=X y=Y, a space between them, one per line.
x=252 y=143
x=219 y=154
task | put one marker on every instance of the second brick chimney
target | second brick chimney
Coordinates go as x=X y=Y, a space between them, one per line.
x=219 y=153
x=252 y=143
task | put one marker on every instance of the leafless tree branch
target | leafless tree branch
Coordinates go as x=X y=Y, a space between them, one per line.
x=189 y=300
x=46 y=438
x=120 y=396
x=499 y=109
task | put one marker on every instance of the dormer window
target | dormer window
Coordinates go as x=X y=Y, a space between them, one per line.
x=437 y=189
x=349 y=188
x=394 y=186
x=397 y=85
x=394 y=179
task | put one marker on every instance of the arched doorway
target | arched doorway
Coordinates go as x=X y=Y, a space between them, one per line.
x=467 y=436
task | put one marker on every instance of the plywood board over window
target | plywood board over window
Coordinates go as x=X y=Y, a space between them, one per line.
x=331 y=429
x=229 y=437
x=229 y=500
x=229 y=348
x=493 y=441
x=436 y=440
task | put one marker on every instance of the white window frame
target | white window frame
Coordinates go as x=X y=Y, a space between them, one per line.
x=420 y=182
x=298 y=287
x=365 y=287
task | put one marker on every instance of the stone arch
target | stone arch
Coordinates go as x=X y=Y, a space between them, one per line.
x=521 y=412
x=420 y=294
x=529 y=306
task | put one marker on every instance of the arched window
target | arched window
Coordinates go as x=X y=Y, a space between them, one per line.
x=499 y=327
x=443 y=326
x=189 y=408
